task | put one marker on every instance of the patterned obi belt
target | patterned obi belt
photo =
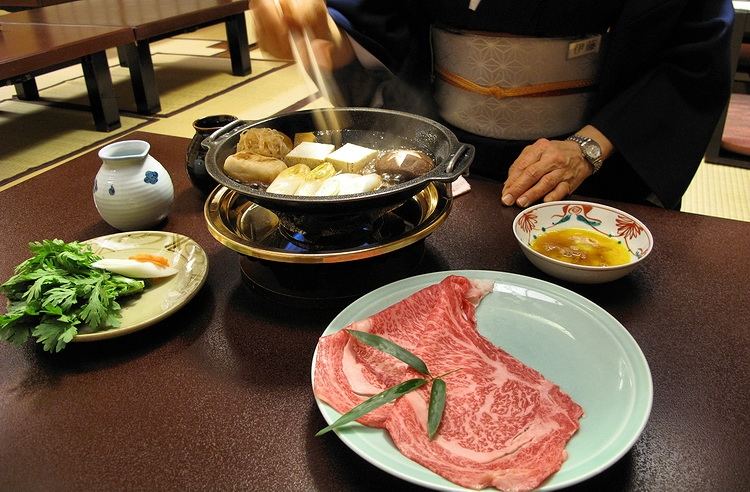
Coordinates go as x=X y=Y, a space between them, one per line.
x=511 y=87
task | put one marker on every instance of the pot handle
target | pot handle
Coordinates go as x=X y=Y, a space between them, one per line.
x=458 y=164
x=206 y=142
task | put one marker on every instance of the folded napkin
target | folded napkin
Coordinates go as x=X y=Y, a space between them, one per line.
x=460 y=186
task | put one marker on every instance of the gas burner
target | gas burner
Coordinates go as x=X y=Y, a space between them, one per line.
x=360 y=236
x=309 y=271
x=251 y=230
x=328 y=285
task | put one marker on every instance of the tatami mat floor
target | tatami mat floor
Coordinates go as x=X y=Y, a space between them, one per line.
x=716 y=190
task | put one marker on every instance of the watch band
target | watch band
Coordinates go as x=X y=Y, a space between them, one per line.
x=585 y=143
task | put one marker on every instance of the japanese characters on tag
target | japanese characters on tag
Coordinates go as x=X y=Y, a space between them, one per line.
x=583 y=47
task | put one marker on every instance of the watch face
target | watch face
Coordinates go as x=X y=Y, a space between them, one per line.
x=592 y=150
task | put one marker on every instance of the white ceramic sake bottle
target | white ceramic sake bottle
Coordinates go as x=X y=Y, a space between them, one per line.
x=132 y=190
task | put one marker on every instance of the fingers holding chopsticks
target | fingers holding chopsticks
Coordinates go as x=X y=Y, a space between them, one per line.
x=275 y=19
x=271 y=28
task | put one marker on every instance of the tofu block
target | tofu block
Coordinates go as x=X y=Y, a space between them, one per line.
x=309 y=153
x=350 y=158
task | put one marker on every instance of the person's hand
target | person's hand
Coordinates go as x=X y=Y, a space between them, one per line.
x=551 y=169
x=547 y=169
x=275 y=19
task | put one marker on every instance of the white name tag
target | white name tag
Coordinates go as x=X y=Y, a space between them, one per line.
x=584 y=47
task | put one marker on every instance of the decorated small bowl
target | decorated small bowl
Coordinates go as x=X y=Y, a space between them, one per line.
x=582 y=242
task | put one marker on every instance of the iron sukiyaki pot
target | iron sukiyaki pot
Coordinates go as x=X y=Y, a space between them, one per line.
x=329 y=181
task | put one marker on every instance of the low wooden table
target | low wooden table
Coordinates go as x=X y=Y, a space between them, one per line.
x=27 y=50
x=218 y=395
x=149 y=20
x=13 y=5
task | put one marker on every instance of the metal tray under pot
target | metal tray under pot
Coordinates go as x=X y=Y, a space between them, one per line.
x=327 y=217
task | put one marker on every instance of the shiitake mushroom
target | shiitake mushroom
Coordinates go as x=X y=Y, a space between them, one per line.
x=404 y=163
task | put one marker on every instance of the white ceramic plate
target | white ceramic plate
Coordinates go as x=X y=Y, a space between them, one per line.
x=569 y=339
x=161 y=297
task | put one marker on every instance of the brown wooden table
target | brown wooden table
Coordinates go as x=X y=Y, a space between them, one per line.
x=12 y=5
x=150 y=20
x=28 y=50
x=218 y=395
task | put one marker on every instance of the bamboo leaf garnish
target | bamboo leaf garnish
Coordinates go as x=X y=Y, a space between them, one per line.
x=374 y=402
x=437 y=393
x=436 y=407
x=385 y=345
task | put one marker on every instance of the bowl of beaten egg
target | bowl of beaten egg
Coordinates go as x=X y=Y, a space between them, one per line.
x=582 y=242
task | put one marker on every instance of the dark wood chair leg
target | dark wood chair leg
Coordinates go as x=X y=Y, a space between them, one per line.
x=142 y=77
x=27 y=90
x=101 y=93
x=238 y=47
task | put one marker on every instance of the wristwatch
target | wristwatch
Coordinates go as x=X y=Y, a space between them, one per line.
x=590 y=150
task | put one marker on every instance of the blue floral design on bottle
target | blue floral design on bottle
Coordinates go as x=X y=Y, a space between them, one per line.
x=151 y=177
x=96 y=186
x=111 y=190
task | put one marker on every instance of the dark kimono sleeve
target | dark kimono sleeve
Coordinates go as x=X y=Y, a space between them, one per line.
x=397 y=34
x=380 y=26
x=664 y=84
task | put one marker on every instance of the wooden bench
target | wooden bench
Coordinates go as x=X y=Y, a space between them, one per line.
x=30 y=50
x=149 y=20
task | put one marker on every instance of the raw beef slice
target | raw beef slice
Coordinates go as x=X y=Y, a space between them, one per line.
x=347 y=372
x=504 y=425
